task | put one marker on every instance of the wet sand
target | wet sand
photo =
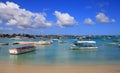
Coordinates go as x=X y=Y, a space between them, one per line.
x=13 y=68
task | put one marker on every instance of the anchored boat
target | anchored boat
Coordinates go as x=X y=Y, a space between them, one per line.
x=84 y=45
x=20 y=50
x=44 y=42
x=2 y=43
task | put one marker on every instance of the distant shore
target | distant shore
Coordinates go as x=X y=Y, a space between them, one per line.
x=58 y=36
x=13 y=68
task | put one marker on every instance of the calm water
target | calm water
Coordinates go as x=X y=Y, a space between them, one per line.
x=62 y=54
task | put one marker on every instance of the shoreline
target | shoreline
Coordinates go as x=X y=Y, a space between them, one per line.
x=14 y=68
x=85 y=63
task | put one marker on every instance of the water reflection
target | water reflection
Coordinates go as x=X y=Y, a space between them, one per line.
x=83 y=55
x=84 y=52
x=22 y=58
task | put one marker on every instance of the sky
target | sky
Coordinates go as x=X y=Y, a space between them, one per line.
x=60 y=17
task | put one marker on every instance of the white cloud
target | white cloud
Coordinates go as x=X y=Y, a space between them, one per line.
x=12 y=5
x=88 y=21
x=113 y=20
x=40 y=19
x=12 y=14
x=64 y=19
x=102 y=18
x=1 y=28
x=11 y=22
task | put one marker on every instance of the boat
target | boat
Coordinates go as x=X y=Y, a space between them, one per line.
x=16 y=38
x=112 y=44
x=20 y=50
x=84 y=45
x=61 y=41
x=2 y=43
x=117 y=40
x=44 y=42
x=22 y=42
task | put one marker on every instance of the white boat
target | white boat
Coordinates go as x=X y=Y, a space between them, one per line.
x=44 y=42
x=2 y=43
x=16 y=38
x=55 y=39
x=112 y=44
x=20 y=50
x=84 y=45
x=61 y=41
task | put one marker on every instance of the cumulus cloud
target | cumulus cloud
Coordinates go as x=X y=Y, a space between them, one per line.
x=88 y=21
x=1 y=28
x=102 y=18
x=11 y=22
x=113 y=20
x=64 y=19
x=12 y=14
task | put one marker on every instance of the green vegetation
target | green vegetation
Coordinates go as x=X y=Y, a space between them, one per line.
x=56 y=36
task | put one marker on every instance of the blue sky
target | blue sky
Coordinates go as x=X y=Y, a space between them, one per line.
x=71 y=17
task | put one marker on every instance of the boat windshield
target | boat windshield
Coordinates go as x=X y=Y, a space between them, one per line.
x=85 y=44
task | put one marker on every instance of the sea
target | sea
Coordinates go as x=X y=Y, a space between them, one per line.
x=62 y=54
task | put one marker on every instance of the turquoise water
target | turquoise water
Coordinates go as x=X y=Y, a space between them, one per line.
x=61 y=54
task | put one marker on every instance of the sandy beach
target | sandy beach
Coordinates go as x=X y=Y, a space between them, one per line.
x=13 y=68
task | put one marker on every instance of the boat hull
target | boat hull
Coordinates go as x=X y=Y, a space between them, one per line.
x=20 y=51
x=84 y=45
x=3 y=43
x=83 y=48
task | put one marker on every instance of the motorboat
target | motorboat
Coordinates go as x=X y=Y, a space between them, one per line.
x=84 y=45
x=2 y=43
x=23 y=49
x=112 y=44
x=16 y=38
x=44 y=42
x=61 y=41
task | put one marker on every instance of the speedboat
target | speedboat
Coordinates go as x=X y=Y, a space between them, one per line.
x=16 y=38
x=44 y=42
x=2 y=43
x=84 y=45
x=61 y=41
x=112 y=44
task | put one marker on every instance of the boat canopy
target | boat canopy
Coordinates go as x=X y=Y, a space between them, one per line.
x=86 y=42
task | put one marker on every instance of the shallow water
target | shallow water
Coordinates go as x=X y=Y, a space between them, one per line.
x=62 y=54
